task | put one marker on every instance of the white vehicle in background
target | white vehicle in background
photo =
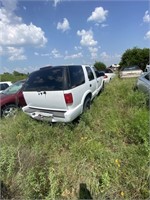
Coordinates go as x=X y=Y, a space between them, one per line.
x=147 y=68
x=61 y=93
x=108 y=75
x=4 y=85
x=130 y=72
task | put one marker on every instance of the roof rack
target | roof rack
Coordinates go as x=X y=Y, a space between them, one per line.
x=49 y=66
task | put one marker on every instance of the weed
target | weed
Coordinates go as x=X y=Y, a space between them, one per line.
x=103 y=156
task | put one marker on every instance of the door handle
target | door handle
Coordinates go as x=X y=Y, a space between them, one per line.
x=90 y=85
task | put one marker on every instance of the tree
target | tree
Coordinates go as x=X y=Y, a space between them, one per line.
x=15 y=73
x=135 y=56
x=100 y=66
x=15 y=76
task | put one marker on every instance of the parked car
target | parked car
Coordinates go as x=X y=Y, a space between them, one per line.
x=129 y=72
x=11 y=99
x=110 y=75
x=143 y=83
x=4 y=85
x=102 y=73
x=61 y=93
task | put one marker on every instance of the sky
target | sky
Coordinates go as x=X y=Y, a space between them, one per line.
x=37 y=33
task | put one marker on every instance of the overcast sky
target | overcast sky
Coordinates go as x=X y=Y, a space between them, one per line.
x=54 y=32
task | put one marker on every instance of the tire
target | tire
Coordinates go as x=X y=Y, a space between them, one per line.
x=103 y=87
x=87 y=104
x=9 y=110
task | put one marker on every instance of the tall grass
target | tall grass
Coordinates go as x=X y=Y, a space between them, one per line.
x=104 y=156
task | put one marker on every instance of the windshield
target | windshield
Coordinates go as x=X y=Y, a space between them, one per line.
x=13 y=88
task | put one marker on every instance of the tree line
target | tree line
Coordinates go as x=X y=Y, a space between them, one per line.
x=15 y=76
x=131 y=57
x=134 y=56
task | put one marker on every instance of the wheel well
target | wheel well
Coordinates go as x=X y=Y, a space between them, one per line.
x=8 y=105
x=88 y=96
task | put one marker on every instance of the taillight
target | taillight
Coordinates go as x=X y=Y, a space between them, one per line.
x=105 y=76
x=68 y=98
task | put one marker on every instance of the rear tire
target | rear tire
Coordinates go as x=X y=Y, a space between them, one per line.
x=87 y=104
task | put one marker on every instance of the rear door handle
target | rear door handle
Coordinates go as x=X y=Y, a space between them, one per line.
x=90 y=85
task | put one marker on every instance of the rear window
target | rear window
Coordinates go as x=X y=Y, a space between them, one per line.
x=76 y=76
x=48 y=79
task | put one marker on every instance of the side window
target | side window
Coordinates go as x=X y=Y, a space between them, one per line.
x=108 y=71
x=96 y=72
x=3 y=86
x=76 y=76
x=90 y=73
x=148 y=76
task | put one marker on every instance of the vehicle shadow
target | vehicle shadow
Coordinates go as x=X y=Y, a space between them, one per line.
x=84 y=192
x=5 y=191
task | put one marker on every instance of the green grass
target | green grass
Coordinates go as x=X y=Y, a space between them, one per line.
x=104 y=156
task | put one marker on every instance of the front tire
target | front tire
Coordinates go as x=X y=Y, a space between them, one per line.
x=103 y=87
x=9 y=110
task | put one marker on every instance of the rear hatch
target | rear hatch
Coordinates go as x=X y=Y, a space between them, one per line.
x=44 y=89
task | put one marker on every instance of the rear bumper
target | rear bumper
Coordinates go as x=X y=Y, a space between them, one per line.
x=51 y=115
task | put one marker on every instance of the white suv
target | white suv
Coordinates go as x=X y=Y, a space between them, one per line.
x=61 y=93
